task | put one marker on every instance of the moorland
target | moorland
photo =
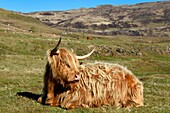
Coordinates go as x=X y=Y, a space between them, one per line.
x=23 y=44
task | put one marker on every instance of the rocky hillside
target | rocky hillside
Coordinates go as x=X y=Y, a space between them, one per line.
x=144 y=19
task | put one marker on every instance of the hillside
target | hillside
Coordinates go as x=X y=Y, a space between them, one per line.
x=13 y=22
x=23 y=44
x=144 y=19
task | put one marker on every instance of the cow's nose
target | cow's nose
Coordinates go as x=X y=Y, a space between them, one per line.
x=77 y=77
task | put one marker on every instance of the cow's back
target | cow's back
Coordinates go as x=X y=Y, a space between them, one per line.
x=104 y=84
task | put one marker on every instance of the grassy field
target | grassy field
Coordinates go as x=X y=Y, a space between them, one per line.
x=22 y=64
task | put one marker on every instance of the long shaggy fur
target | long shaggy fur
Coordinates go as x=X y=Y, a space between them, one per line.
x=103 y=84
x=70 y=85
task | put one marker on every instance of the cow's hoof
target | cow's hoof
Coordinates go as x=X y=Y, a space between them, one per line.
x=40 y=100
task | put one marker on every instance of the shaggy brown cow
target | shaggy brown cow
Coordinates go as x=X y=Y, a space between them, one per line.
x=70 y=85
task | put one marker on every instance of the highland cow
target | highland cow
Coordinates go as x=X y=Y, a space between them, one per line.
x=69 y=85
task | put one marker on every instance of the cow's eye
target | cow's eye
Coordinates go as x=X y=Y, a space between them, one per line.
x=68 y=65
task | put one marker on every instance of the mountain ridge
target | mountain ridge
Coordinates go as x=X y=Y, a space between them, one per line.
x=143 y=19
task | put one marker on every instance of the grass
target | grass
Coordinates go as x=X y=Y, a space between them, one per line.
x=22 y=64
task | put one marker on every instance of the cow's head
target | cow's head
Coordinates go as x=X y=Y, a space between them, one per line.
x=65 y=64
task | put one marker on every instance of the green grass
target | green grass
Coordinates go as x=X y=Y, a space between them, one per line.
x=23 y=59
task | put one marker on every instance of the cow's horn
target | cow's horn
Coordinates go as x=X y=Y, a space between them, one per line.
x=85 y=56
x=56 y=47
